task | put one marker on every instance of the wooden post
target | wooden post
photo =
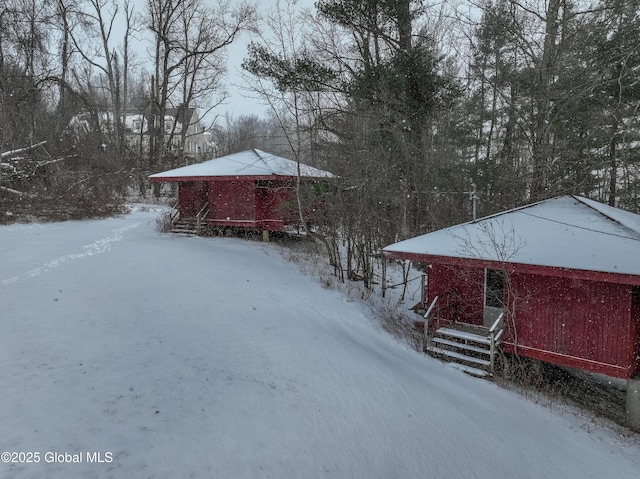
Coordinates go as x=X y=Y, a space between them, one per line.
x=265 y=236
x=633 y=403
x=384 y=276
x=425 y=337
x=427 y=315
x=493 y=337
x=492 y=350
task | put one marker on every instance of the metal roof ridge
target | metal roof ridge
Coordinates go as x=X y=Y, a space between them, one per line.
x=261 y=156
x=512 y=210
x=602 y=211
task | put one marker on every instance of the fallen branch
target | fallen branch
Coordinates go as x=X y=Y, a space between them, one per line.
x=20 y=150
x=49 y=162
x=16 y=192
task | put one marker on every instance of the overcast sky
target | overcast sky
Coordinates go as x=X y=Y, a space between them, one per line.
x=238 y=103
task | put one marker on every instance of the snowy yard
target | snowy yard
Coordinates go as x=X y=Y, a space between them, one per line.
x=176 y=357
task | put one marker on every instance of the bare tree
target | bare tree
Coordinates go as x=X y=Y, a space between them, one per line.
x=104 y=56
x=285 y=78
x=23 y=58
x=189 y=40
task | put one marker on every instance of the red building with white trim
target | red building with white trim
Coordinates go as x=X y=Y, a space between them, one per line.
x=565 y=271
x=247 y=190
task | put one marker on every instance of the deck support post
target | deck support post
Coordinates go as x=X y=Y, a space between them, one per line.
x=425 y=335
x=384 y=276
x=492 y=351
x=426 y=339
x=633 y=403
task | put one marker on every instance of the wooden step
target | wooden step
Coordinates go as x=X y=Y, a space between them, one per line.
x=454 y=333
x=187 y=226
x=181 y=224
x=466 y=347
x=458 y=356
x=478 y=373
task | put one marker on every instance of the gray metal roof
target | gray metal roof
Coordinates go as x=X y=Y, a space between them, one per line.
x=245 y=163
x=565 y=232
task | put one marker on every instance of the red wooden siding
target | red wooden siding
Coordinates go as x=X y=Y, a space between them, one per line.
x=460 y=292
x=275 y=204
x=579 y=323
x=232 y=200
x=192 y=196
x=584 y=319
x=633 y=279
x=250 y=203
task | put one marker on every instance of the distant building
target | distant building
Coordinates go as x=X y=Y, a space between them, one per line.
x=197 y=141
x=248 y=190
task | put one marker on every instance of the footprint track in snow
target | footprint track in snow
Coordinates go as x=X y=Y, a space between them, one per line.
x=99 y=246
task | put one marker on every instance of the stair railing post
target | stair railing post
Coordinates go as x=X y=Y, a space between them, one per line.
x=492 y=349
x=425 y=336
x=200 y=216
x=492 y=340
x=174 y=215
x=427 y=315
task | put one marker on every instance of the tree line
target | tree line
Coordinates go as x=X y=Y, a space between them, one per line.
x=417 y=106
x=72 y=70
x=421 y=107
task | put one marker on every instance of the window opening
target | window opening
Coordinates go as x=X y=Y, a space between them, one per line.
x=635 y=295
x=494 y=288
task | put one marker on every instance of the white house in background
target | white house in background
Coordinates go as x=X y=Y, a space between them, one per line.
x=197 y=141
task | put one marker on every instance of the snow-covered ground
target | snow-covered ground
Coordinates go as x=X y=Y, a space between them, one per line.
x=177 y=357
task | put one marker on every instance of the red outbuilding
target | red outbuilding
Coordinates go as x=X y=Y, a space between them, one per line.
x=563 y=276
x=247 y=190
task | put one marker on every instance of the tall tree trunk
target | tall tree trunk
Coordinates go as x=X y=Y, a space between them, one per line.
x=541 y=150
x=413 y=133
x=613 y=165
x=64 y=65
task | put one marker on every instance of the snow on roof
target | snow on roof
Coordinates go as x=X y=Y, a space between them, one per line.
x=565 y=232
x=245 y=163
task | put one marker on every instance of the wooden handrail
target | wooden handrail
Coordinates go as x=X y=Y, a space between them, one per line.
x=496 y=323
x=425 y=338
x=202 y=214
x=206 y=205
x=175 y=212
x=494 y=338
x=433 y=303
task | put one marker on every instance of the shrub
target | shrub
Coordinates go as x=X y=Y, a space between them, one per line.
x=164 y=221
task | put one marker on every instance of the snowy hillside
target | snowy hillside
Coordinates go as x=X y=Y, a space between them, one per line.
x=176 y=357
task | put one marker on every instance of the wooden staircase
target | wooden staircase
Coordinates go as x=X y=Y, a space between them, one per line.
x=192 y=226
x=472 y=351
x=186 y=226
x=472 y=348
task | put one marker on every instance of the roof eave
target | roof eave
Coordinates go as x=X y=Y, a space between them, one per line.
x=511 y=267
x=159 y=179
